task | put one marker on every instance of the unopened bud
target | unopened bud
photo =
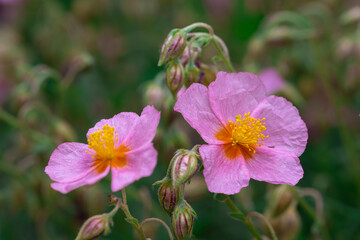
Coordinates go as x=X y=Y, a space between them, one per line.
x=287 y=225
x=280 y=200
x=185 y=56
x=175 y=76
x=94 y=227
x=192 y=75
x=167 y=196
x=207 y=74
x=184 y=167
x=182 y=220
x=173 y=46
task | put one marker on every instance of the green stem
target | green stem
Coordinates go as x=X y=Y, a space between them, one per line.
x=133 y=221
x=313 y=215
x=225 y=59
x=159 y=221
x=248 y=224
x=199 y=25
x=265 y=220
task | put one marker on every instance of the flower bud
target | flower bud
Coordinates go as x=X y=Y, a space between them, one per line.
x=280 y=200
x=185 y=56
x=287 y=225
x=174 y=76
x=184 y=167
x=182 y=220
x=167 y=196
x=192 y=75
x=173 y=46
x=94 y=227
x=207 y=74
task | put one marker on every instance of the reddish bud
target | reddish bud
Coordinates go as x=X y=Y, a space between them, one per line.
x=175 y=76
x=94 y=227
x=182 y=220
x=167 y=196
x=184 y=167
x=192 y=75
x=173 y=46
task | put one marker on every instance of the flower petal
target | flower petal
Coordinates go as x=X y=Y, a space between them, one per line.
x=286 y=130
x=272 y=80
x=223 y=175
x=122 y=122
x=72 y=167
x=144 y=129
x=235 y=93
x=194 y=105
x=140 y=163
x=275 y=166
x=92 y=177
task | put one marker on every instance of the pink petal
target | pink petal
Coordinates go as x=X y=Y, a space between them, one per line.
x=272 y=80
x=286 y=130
x=275 y=166
x=144 y=129
x=92 y=177
x=194 y=105
x=235 y=93
x=223 y=175
x=72 y=167
x=141 y=163
x=122 y=122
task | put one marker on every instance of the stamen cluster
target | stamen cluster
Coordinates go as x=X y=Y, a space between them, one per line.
x=246 y=131
x=102 y=142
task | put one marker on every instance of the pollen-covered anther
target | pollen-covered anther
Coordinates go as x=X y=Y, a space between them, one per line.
x=105 y=152
x=246 y=131
x=102 y=142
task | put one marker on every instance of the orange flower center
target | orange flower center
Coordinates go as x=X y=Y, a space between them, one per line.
x=242 y=136
x=103 y=143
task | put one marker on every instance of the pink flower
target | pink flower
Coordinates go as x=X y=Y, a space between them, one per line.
x=249 y=135
x=121 y=143
x=272 y=80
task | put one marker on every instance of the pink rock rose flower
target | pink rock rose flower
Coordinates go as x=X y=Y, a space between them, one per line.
x=249 y=135
x=122 y=143
x=272 y=80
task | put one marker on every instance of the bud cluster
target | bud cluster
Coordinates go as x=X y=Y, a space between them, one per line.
x=181 y=53
x=182 y=167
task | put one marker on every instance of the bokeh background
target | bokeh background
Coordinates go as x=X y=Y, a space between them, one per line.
x=64 y=65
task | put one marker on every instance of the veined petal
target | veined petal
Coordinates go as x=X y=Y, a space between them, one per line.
x=194 y=105
x=140 y=163
x=223 y=175
x=72 y=167
x=275 y=166
x=92 y=177
x=286 y=130
x=143 y=131
x=235 y=93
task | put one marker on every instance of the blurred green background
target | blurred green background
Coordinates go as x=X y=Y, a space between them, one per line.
x=64 y=65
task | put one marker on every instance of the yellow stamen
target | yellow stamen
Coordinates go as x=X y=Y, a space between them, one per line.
x=246 y=131
x=103 y=143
